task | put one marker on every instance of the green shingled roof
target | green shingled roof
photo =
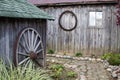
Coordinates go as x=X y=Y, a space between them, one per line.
x=21 y=9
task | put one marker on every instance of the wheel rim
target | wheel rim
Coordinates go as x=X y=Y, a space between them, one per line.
x=29 y=48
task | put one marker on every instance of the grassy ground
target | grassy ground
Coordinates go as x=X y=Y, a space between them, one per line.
x=59 y=72
x=22 y=73
x=53 y=71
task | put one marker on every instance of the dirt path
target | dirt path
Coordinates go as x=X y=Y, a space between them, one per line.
x=87 y=70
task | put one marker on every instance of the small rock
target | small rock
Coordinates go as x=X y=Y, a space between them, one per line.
x=99 y=59
x=89 y=59
x=82 y=77
x=114 y=75
x=114 y=68
x=110 y=66
x=81 y=58
x=58 y=56
x=74 y=58
x=77 y=58
x=106 y=64
x=53 y=61
x=66 y=57
x=47 y=60
x=74 y=66
x=86 y=58
x=109 y=69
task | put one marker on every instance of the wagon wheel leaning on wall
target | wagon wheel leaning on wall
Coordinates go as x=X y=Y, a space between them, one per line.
x=29 y=48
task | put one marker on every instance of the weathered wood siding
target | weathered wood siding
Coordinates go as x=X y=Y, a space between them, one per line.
x=9 y=30
x=84 y=39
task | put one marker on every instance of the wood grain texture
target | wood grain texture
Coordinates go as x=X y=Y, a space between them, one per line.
x=9 y=29
x=84 y=39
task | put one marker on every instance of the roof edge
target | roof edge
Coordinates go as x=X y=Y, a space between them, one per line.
x=78 y=3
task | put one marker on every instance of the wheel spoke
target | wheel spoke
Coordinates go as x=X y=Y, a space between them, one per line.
x=27 y=63
x=39 y=51
x=23 y=47
x=23 y=61
x=32 y=47
x=25 y=38
x=21 y=53
x=29 y=39
x=35 y=40
x=37 y=46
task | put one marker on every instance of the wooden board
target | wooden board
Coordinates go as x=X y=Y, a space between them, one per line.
x=84 y=39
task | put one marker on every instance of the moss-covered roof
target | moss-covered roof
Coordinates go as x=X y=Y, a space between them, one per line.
x=21 y=9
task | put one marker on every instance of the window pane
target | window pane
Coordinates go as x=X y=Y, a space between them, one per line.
x=99 y=19
x=98 y=15
x=91 y=18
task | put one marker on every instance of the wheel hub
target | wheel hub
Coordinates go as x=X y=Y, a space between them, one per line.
x=33 y=55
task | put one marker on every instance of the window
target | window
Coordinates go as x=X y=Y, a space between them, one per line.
x=95 y=19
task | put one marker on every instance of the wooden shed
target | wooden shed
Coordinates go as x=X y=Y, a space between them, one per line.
x=86 y=26
x=22 y=32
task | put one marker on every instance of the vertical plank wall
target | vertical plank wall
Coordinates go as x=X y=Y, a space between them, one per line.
x=9 y=30
x=83 y=39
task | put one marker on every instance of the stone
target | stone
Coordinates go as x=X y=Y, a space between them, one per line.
x=67 y=57
x=81 y=58
x=110 y=66
x=86 y=58
x=73 y=66
x=114 y=68
x=82 y=77
x=106 y=64
x=47 y=60
x=114 y=75
x=102 y=61
x=53 y=61
x=98 y=59
x=77 y=58
x=58 y=56
x=109 y=69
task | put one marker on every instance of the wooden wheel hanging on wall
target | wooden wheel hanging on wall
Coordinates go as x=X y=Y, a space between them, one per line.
x=68 y=21
x=29 y=48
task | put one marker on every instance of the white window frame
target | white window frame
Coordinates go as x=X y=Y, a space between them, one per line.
x=94 y=19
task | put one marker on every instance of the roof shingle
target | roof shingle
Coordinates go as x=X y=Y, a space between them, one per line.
x=21 y=9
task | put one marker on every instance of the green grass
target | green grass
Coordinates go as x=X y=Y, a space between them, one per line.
x=71 y=74
x=112 y=58
x=50 y=51
x=57 y=70
x=78 y=54
x=106 y=56
x=22 y=73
